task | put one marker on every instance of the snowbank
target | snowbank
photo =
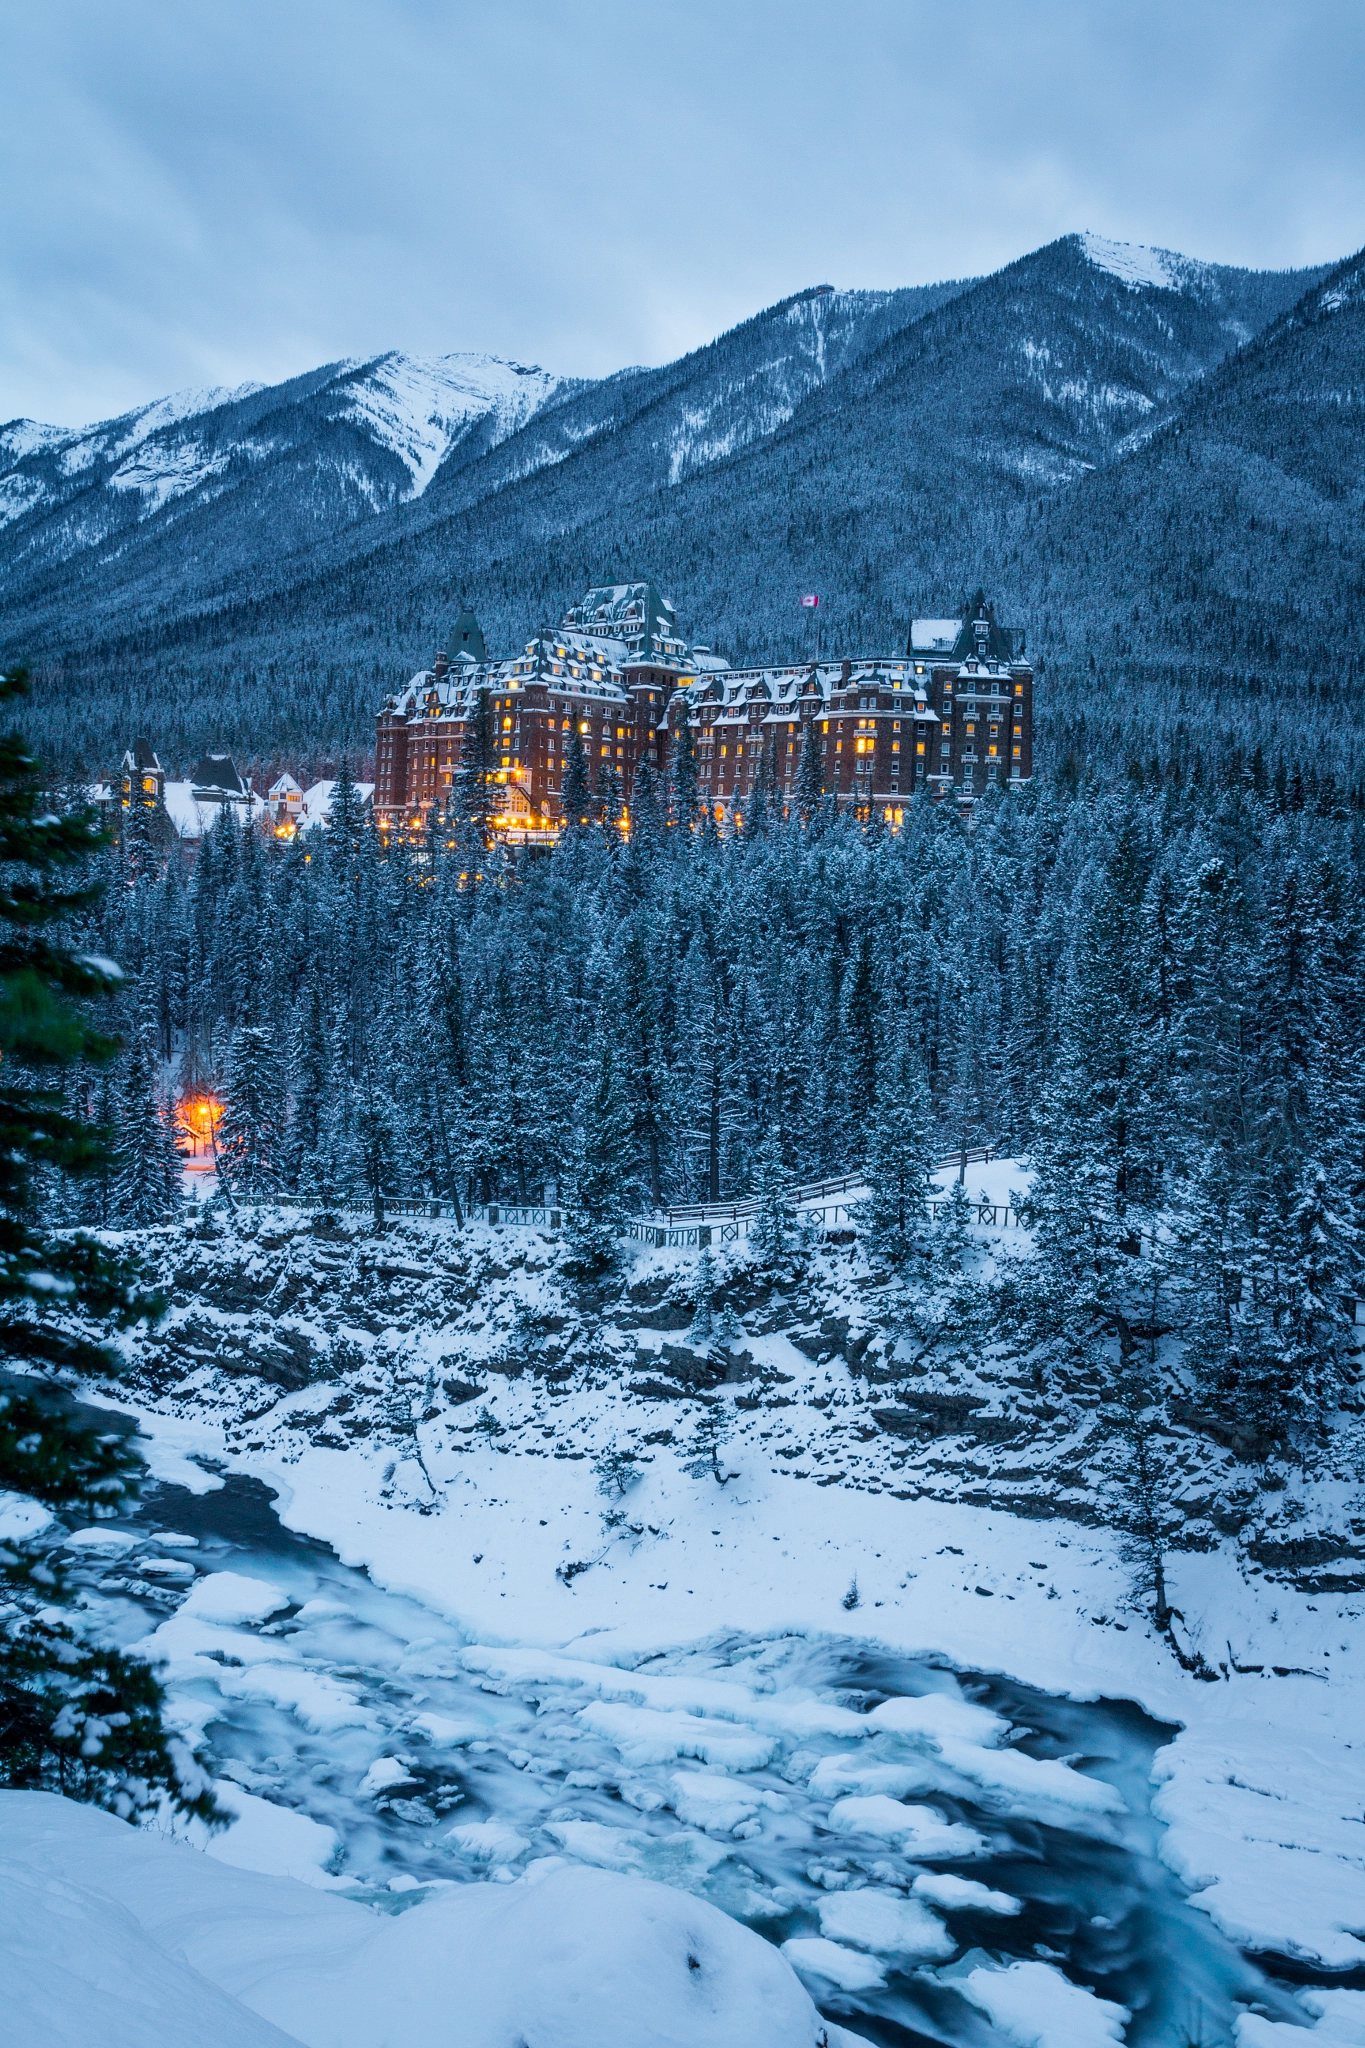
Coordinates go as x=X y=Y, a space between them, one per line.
x=136 y=1942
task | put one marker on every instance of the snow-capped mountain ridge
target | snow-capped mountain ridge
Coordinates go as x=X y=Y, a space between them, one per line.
x=421 y=407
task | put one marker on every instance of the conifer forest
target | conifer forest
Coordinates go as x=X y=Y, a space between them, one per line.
x=1150 y=983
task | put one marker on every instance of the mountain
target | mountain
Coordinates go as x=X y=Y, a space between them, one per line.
x=885 y=448
x=229 y=476
x=1224 y=565
x=175 y=502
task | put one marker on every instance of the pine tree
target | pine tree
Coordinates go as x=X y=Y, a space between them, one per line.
x=810 y=774
x=147 y=1172
x=343 y=817
x=75 y=1717
x=603 y=1178
x=900 y=1152
x=576 y=801
x=378 y=1136
x=683 y=801
x=474 y=787
x=774 y=1227
x=702 y=1297
x=251 y=1134
x=709 y=1437
x=308 y=1084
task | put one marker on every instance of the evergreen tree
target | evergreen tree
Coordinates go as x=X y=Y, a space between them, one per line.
x=900 y=1152
x=474 y=786
x=147 y=1173
x=378 y=1136
x=774 y=1227
x=251 y=1136
x=308 y=1084
x=810 y=774
x=683 y=801
x=709 y=1438
x=602 y=1179
x=576 y=800
x=75 y=1716
x=703 y=1296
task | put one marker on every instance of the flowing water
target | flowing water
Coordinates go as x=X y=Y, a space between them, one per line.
x=490 y=1768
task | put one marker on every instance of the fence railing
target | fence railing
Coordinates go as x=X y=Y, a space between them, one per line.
x=726 y=1228
x=704 y=1223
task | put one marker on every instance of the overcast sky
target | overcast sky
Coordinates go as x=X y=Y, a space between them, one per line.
x=205 y=193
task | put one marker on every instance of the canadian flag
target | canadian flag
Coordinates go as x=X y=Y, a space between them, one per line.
x=810 y=602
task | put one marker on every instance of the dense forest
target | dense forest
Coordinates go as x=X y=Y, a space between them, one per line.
x=1154 y=987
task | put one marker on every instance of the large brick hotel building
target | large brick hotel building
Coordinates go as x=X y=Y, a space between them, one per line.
x=953 y=715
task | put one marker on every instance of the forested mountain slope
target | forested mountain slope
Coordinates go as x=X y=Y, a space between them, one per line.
x=882 y=448
x=1217 y=572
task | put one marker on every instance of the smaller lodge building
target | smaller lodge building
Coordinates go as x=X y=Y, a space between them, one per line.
x=953 y=716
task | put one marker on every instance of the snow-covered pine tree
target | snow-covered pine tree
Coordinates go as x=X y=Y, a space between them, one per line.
x=900 y=1150
x=810 y=774
x=576 y=798
x=378 y=1137
x=76 y=1717
x=308 y=1056
x=251 y=1134
x=603 y=1177
x=147 y=1172
x=682 y=802
x=702 y=1297
x=473 y=786
x=773 y=1229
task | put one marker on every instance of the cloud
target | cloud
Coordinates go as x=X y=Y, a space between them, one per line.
x=198 y=194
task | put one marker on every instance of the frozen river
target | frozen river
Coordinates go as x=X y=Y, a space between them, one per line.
x=904 y=1827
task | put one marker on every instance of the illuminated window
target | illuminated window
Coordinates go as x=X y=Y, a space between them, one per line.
x=920 y=747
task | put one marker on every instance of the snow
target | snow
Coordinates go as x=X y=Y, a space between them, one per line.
x=828 y=1963
x=117 y=437
x=270 y=1838
x=1136 y=265
x=192 y=820
x=707 y=1800
x=1259 y=1793
x=418 y=407
x=889 y=1926
x=317 y=802
x=131 y=1940
x=489 y=1841
x=963 y=1894
x=384 y=1773
x=28 y=437
x=1034 y=2006
x=160 y=474
x=934 y=636
x=1268 y=1835
x=101 y=1541
x=644 y=1736
x=22 y=1518
x=228 y=1597
x=916 y=1830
